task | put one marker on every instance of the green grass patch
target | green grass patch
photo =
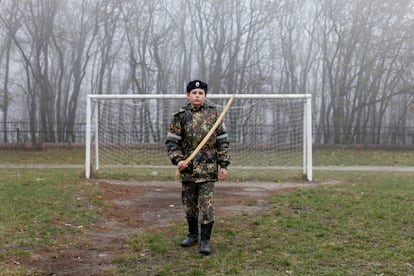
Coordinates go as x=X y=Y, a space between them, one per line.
x=39 y=206
x=363 y=157
x=321 y=157
x=75 y=156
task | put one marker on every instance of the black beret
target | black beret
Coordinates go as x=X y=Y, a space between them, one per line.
x=196 y=84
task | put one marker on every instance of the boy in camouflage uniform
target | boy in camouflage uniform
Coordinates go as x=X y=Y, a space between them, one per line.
x=187 y=129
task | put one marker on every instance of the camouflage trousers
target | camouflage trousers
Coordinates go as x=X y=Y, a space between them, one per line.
x=198 y=201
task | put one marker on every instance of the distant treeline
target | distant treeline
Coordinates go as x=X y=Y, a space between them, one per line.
x=355 y=57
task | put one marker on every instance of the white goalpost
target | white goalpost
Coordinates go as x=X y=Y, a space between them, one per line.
x=266 y=131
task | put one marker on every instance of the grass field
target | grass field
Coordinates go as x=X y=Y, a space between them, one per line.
x=321 y=157
x=364 y=226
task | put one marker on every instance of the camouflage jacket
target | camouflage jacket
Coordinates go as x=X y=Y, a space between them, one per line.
x=187 y=129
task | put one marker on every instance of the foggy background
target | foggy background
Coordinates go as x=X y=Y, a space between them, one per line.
x=355 y=57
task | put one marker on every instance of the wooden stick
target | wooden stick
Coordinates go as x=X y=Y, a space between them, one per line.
x=210 y=132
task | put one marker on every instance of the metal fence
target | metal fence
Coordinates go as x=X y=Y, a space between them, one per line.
x=19 y=133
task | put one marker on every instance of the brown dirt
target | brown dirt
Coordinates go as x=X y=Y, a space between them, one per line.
x=133 y=207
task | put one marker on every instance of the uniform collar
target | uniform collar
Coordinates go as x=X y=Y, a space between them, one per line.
x=194 y=109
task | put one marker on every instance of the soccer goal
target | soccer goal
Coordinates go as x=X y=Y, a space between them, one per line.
x=266 y=131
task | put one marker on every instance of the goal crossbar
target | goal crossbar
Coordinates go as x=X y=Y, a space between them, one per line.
x=92 y=121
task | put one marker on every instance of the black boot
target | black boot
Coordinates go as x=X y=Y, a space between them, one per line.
x=205 y=247
x=192 y=237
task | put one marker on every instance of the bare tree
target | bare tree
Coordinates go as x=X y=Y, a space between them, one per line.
x=38 y=18
x=10 y=23
x=73 y=47
x=108 y=44
x=363 y=50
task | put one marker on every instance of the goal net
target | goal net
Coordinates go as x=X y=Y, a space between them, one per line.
x=266 y=131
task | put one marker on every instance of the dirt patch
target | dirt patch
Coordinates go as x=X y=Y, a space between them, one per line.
x=133 y=207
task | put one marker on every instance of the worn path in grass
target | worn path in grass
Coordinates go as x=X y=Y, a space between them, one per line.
x=133 y=207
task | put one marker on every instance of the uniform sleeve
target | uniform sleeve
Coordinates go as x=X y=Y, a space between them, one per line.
x=223 y=146
x=174 y=141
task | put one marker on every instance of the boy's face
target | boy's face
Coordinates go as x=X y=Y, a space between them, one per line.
x=196 y=97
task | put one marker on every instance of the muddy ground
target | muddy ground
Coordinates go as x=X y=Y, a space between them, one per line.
x=133 y=207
